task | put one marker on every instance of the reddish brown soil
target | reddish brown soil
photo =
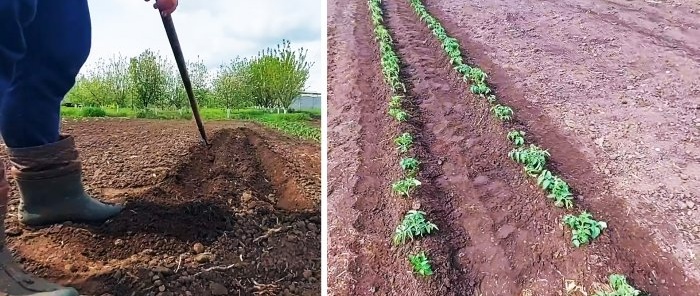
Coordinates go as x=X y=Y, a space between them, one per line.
x=252 y=200
x=498 y=233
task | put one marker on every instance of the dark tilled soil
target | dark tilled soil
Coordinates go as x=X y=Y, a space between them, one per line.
x=252 y=200
x=499 y=234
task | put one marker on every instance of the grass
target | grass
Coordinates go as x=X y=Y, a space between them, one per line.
x=296 y=124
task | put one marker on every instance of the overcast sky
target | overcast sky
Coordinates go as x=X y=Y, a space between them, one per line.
x=215 y=30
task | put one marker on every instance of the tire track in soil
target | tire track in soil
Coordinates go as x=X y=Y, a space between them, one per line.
x=623 y=248
x=513 y=243
x=223 y=197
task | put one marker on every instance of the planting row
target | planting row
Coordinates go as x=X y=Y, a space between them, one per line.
x=533 y=158
x=414 y=224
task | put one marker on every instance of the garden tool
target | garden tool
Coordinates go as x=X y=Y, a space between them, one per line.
x=182 y=66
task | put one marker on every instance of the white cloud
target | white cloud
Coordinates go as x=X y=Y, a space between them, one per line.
x=214 y=30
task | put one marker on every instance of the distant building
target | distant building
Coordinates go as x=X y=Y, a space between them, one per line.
x=307 y=100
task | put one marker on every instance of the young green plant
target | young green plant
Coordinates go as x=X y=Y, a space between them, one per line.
x=618 y=286
x=517 y=137
x=404 y=142
x=398 y=114
x=584 y=228
x=414 y=224
x=502 y=112
x=533 y=158
x=405 y=186
x=410 y=166
x=557 y=188
x=421 y=264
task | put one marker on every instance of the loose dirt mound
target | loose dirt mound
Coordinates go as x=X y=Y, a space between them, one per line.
x=251 y=212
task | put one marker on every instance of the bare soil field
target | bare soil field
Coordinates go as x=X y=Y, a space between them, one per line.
x=608 y=87
x=241 y=217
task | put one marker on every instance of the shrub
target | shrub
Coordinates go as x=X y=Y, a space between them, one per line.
x=93 y=112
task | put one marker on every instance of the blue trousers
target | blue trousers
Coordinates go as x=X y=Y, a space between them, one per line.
x=43 y=45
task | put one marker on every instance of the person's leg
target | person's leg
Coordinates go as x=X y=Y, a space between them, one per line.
x=13 y=280
x=46 y=165
x=57 y=45
x=15 y=15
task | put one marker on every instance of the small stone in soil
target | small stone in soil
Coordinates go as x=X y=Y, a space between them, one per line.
x=14 y=231
x=118 y=242
x=218 y=289
x=198 y=248
x=163 y=270
x=161 y=288
x=71 y=268
x=158 y=283
x=202 y=258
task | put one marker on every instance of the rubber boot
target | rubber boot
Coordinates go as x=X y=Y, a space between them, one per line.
x=13 y=280
x=49 y=179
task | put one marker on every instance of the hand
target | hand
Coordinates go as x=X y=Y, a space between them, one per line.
x=166 y=7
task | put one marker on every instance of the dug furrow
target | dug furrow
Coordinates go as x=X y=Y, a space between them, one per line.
x=514 y=241
x=362 y=163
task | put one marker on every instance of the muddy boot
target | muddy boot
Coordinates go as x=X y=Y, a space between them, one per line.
x=13 y=280
x=49 y=179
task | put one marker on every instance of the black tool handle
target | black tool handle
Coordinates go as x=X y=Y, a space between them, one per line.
x=182 y=66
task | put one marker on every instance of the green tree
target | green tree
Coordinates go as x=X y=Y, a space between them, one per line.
x=277 y=76
x=149 y=79
x=291 y=74
x=201 y=82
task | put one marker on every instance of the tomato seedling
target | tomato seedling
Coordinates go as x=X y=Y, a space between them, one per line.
x=480 y=89
x=413 y=225
x=463 y=69
x=410 y=166
x=404 y=142
x=517 y=137
x=502 y=112
x=533 y=158
x=618 y=286
x=584 y=228
x=405 y=186
x=398 y=114
x=421 y=264
x=395 y=102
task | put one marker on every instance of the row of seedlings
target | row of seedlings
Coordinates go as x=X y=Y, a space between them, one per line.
x=583 y=227
x=414 y=224
x=532 y=157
